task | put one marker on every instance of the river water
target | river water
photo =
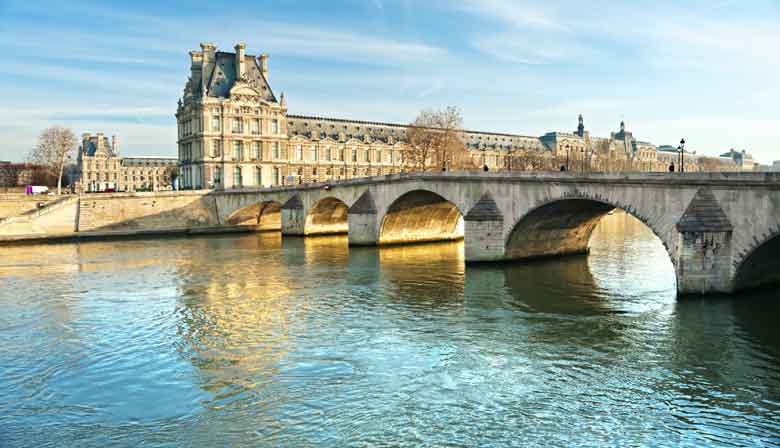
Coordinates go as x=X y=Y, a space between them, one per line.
x=254 y=340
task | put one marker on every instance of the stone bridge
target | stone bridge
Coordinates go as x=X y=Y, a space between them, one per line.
x=721 y=230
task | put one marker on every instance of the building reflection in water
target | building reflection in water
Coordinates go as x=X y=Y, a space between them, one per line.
x=234 y=314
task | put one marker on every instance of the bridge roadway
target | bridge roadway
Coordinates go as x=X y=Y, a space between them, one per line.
x=721 y=230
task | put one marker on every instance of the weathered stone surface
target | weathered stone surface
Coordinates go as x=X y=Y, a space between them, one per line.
x=704 y=214
x=544 y=214
x=484 y=210
x=365 y=205
x=294 y=203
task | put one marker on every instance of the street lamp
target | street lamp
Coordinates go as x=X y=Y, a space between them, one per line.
x=681 y=150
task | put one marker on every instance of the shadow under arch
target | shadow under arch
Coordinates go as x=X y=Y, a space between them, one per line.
x=263 y=216
x=420 y=216
x=564 y=226
x=328 y=216
x=760 y=266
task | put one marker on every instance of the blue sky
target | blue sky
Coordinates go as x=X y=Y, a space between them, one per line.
x=704 y=70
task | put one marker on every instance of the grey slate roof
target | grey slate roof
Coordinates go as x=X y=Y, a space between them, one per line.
x=222 y=76
x=324 y=127
x=704 y=214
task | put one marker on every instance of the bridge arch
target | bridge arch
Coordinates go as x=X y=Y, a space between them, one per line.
x=420 y=216
x=564 y=225
x=328 y=216
x=265 y=215
x=759 y=266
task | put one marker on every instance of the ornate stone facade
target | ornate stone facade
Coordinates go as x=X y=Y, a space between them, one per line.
x=102 y=169
x=234 y=131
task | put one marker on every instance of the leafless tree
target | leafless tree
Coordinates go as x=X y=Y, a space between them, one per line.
x=711 y=164
x=435 y=142
x=53 y=150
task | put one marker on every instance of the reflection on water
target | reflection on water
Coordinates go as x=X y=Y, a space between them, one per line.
x=256 y=340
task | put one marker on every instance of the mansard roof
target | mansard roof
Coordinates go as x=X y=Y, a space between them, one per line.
x=339 y=129
x=222 y=76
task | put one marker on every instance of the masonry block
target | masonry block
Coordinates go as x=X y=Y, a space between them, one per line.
x=293 y=217
x=483 y=231
x=362 y=217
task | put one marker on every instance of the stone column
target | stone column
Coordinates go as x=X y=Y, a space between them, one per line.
x=293 y=217
x=704 y=247
x=483 y=231
x=363 y=226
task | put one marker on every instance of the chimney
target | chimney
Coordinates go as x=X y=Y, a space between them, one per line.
x=196 y=58
x=208 y=57
x=240 y=60
x=115 y=144
x=85 y=140
x=264 y=65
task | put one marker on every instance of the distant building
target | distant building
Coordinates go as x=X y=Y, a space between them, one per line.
x=102 y=169
x=776 y=166
x=742 y=159
x=234 y=131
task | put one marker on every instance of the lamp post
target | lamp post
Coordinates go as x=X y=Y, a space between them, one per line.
x=681 y=150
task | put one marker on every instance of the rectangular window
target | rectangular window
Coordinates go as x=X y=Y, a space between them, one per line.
x=236 y=125
x=314 y=153
x=277 y=176
x=274 y=126
x=256 y=152
x=298 y=152
x=258 y=176
x=275 y=150
x=328 y=155
x=237 y=151
x=237 y=180
x=354 y=155
x=366 y=156
x=216 y=150
x=255 y=126
x=341 y=154
x=217 y=174
x=215 y=123
x=379 y=156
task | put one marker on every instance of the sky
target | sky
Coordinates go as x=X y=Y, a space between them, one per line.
x=706 y=71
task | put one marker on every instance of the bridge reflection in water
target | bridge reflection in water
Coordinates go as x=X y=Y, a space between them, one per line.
x=259 y=340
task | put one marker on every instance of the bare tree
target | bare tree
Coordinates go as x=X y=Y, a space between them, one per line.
x=53 y=150
x=435 y=142
x=711 y=164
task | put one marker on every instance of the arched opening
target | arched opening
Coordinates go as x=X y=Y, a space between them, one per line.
x=327 y=217
x=629 y=257
x=557 y=228
x=760 y=267
x=261 y=216
x=562 y=227
x=421 y=216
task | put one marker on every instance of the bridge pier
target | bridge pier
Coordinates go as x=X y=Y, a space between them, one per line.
x=362 y=219
x=293 y=217
x=704 y=247
x=483 y=228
